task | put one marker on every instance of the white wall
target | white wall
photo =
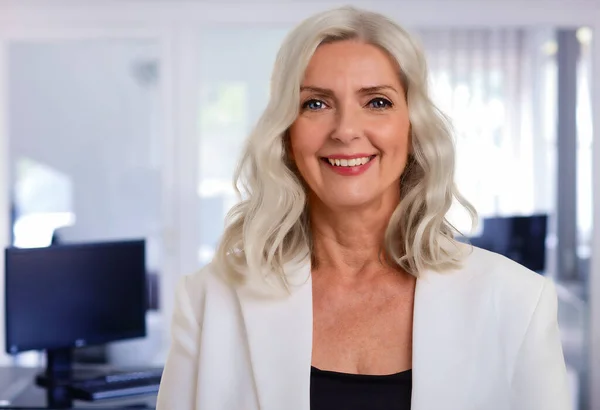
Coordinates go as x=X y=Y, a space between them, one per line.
x=79 y=109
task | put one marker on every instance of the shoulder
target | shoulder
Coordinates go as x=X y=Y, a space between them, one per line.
x=515 y=292
x=490 y=280
x=206 y=277
x=493 y=291
x=203 y=286
x=508 y=279
x=493 y=288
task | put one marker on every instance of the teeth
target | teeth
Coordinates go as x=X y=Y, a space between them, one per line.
x=354 y=162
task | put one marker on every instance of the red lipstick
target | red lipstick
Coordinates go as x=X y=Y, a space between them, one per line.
x=353 y=156
x=349 y=170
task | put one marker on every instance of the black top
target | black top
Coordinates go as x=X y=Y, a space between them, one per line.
x=333 y=390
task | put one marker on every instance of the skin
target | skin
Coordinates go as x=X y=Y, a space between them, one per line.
x=352 y=101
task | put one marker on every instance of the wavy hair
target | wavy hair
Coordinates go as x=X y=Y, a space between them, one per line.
x=270 y=226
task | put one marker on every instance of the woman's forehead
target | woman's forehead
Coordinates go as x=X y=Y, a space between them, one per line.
x=350 y=63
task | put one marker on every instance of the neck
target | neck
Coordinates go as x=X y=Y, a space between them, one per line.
x=350 y=240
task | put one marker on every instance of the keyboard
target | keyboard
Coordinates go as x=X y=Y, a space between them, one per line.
x=117 y=385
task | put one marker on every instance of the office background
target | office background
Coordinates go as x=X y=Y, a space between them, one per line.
x=124 y=119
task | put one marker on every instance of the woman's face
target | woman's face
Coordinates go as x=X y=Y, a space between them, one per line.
x=350 y=141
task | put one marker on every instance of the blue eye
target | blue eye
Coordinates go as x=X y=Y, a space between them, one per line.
x=313 y=105
x=379 y=103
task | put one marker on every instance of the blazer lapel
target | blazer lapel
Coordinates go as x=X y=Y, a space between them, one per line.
x=445 y=337
x=279 y=333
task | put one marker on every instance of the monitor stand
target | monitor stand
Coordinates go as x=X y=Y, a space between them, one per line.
x=59 y=375
x=56 y=378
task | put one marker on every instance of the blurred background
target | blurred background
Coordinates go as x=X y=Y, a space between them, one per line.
x=124 y=119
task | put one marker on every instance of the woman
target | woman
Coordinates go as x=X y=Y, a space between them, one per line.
x=338 y=283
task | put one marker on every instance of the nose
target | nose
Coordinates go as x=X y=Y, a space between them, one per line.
x=347 y=125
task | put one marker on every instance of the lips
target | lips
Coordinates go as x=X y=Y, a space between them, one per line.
x=349 y=162
x=349 y=165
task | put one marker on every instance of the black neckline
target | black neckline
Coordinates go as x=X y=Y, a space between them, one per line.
x=406 y=374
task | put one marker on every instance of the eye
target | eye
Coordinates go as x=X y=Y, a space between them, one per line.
x=379 y=103
x=313 y=105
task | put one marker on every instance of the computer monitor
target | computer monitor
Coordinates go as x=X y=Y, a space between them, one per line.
x=520 y=238
x=68 y=296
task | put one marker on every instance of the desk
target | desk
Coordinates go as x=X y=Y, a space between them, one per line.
x=19 y=391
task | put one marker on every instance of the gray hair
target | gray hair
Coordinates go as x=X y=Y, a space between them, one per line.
x=270 y=226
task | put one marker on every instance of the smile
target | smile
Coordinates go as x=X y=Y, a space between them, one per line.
x=349 y=166
x=349 y=162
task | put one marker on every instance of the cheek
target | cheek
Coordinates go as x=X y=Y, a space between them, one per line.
x=394 y=138
x=305 y=141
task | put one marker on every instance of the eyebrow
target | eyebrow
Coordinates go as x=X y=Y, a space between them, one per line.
x=363 y=90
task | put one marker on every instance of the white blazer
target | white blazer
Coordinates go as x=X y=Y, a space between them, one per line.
x=485 y=337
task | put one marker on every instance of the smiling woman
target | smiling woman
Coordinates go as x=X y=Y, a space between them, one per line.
x=338 y=282
x=358 y=116
x=312 y=93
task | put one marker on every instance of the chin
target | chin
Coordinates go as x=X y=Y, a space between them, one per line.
x=344 y=202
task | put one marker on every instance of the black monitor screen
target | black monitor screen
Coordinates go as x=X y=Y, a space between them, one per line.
x=74 y=295
x=520 y=238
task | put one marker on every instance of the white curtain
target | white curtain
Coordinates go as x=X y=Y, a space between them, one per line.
x=498 y=88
